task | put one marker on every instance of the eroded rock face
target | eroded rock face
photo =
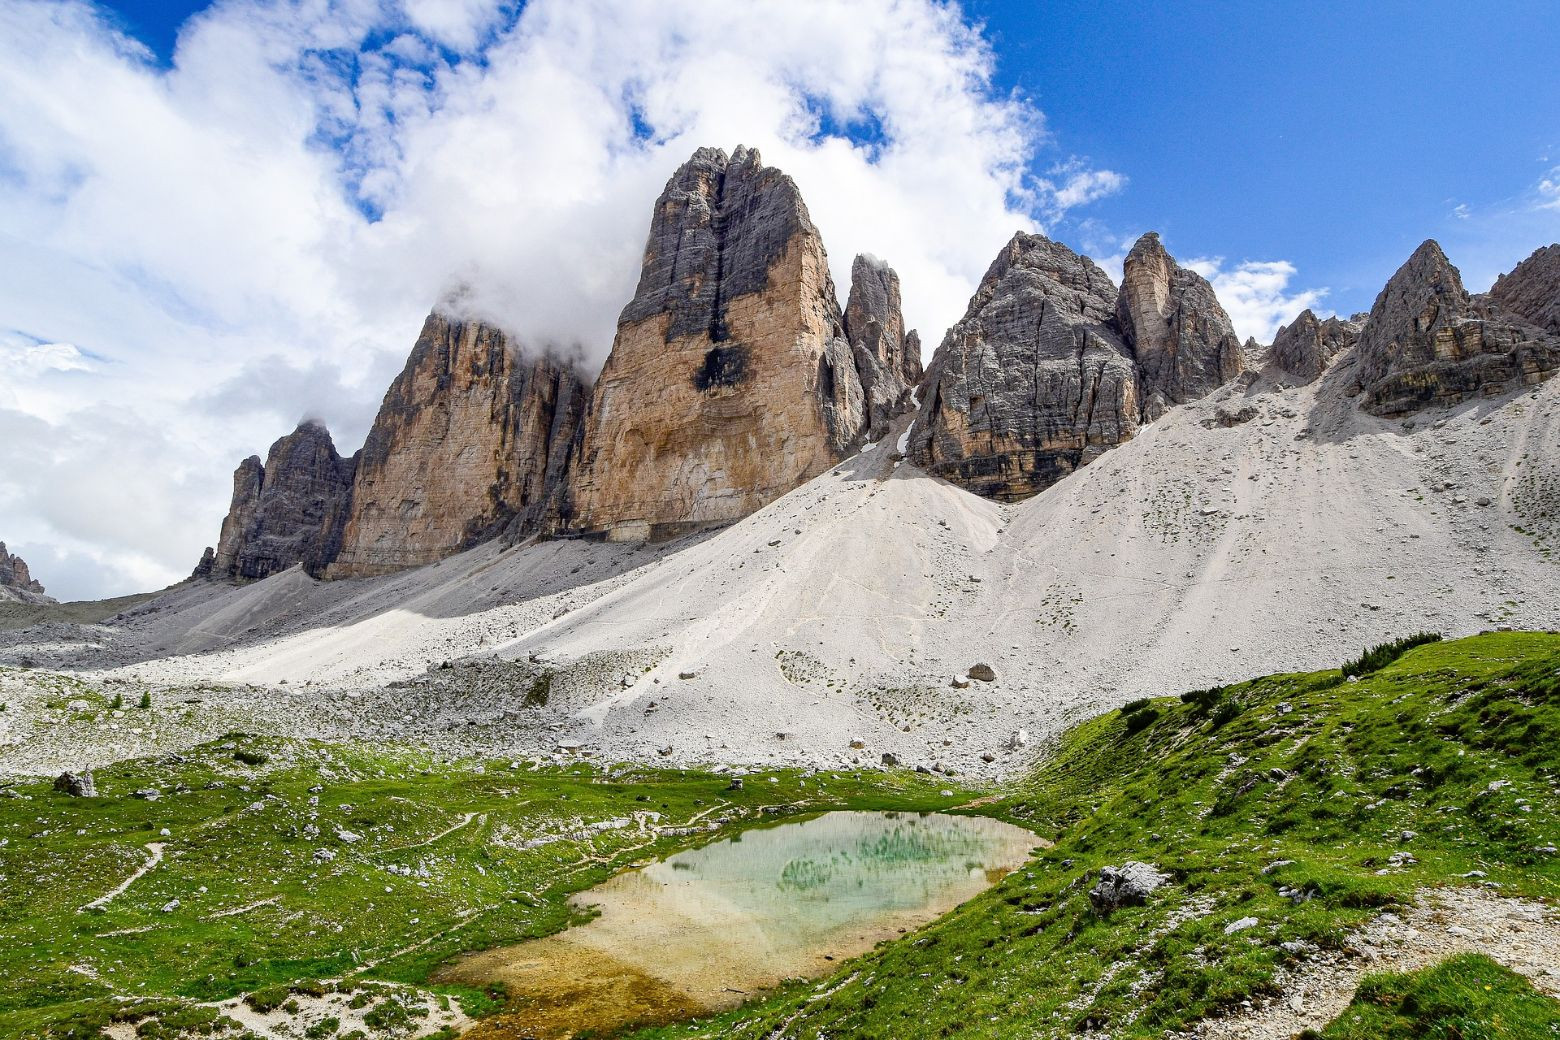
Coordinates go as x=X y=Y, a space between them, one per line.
x=15 y=575
x=1306 y=346
x=887 y=359
x=1130 y=884
x=472 y=438
x=1428 y=342
x=1034 y=381
x=1183 y=339
x=285 y=511
x=1532 y=290
x=730 y=380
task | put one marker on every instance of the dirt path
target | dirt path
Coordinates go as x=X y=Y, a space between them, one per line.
x=156 y=849
x=1524 y=936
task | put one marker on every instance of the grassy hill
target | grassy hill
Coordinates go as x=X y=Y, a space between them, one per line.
x=1285 y=813
x=1309 y=803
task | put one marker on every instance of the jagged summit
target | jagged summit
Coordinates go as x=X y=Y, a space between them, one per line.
x=888 y=359
x=472 y=438
x=1429 y=342
x=1034 y=381
x=1183 y=339
x=285 y=511
x=1308 y=345
x=1532 y=290
x=14 y=575
x=730 y=380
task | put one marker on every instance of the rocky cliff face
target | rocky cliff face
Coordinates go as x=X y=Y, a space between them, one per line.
x=285 y=511
x=472 y=438
x=1034 y=381
x=1532 y=291
x=887 y=359
x=14 y=574
x=1183 y=340
x=1306 y=346
x=730 y=380
x=1428 y=342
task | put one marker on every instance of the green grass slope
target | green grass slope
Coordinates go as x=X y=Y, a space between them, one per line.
x=1464 y=998
x=1287 y=811
x=285 y=862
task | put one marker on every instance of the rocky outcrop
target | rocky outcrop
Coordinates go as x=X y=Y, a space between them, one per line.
x=1183 y=340
x=285 y=511
x=887 y=359
x=1306 y=346
x=730 y=380
x=1429 y=342
x=15 y=576
x=1127 y=885
x=1532 y=291
x=473 y=437
x=1034 y=381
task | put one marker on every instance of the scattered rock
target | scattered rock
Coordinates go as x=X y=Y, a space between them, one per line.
x=1127 y=885
x=983 y=672
x=77 y=785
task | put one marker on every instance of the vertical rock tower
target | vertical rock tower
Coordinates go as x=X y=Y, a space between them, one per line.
x=1184 y=342
x=730 y=380
x=1428 y=342
x=472 y=437
x=286 y=511
x=887 y=358
x=1034 y=381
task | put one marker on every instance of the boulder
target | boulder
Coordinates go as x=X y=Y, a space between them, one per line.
x=983 y=672
x=1127 y=885
x=77 y=785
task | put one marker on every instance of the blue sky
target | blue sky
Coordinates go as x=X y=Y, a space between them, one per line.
x=1336 y=135
x=217 y=220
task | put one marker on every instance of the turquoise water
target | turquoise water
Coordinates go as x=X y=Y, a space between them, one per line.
x=713 y=926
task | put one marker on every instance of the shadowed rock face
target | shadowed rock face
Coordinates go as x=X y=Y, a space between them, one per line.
x=730 y=380
x=1306 y=346
x=1428 y=342
x=1034 y=381
x=287 y=511
x=472 y=438
x=15 y=575
x=1183 y=340
x=887 y=359
x=1532 y=291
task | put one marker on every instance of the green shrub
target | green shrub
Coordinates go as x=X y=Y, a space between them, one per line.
x=541 y=689
x=251 y=758
x=1132 y=707
x=1225 y=712
x=146 y=700
x=1141 y=720
x=1383 y=654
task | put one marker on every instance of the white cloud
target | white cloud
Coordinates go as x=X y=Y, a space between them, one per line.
x=1074 y=183
x=254 y=233
x=1549 y=190
x=1255 y=294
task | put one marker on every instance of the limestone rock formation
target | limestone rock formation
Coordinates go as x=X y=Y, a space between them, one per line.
x=1034 y=381
x=472 y=437
x=730 y=380
x=1127 y=885
x=1306 y=346
x=887 y=359
x=1428 y=342
x=14 y=574
x=286 y=511
x=1532 y=290
x=1183 y=339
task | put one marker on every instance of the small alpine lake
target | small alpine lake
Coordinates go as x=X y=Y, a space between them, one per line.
x=711 y=927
